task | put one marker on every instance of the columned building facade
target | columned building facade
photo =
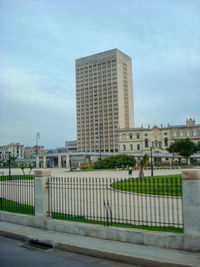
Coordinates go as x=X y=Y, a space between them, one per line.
x=139 y=140
x=104 y=100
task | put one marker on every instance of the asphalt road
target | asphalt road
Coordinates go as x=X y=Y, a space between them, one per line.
x=13 y=254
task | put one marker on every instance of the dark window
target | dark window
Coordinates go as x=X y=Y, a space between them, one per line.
x=166 y=141
x=146 y=143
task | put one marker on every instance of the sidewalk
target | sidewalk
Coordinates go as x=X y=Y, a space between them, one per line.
x=112 y=250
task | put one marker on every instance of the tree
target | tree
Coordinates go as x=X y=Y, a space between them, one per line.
x=197 y=149
x=30 y=168
x=184 y=147
x=11 y=161
x=22 y=168
x=113 y=161
x=143 y=163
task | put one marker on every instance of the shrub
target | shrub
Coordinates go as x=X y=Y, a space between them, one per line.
x=113 y=161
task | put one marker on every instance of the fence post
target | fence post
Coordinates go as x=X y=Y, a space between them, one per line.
x=191 y=209
x=41 y=197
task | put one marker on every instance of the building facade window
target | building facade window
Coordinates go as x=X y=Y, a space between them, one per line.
x=131 y=147
x=146 y=143
x=131 y=136
x=138 y=136
x=123 y=137
x=191 y=133
x=178 y=134
x=138 y=147
x=124 y=147
x=198 y=132
x=156 y=143
x=160 y=145
x=171 y=134
x=166 y=141
x=185 y=133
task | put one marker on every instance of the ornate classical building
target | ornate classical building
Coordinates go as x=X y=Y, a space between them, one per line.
x=139 y=140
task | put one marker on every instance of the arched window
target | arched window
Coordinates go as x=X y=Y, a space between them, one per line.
x=123 y=137
x=131 y=147
x=160 y=145
x=124 y=147
x=156 y=143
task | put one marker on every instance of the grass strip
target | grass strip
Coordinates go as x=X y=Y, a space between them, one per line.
x=16 y=207
x=17 y=177
x=82 y=219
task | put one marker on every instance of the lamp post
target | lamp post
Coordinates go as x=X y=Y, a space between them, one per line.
x=9 y=161
x=37 y=137
x=70 y=168
x=151 y=148
x=100 y=128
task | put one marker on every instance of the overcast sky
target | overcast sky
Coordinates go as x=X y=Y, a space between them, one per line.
x=40 y=40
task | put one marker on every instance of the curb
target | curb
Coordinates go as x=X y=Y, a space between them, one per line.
x=118 y=258
x=109 y=255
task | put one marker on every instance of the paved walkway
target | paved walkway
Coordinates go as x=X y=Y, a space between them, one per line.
x=56 y=172
x=113 y=250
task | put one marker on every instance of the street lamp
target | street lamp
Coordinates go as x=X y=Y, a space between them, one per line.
x=151 y=148
x=37 y=137
x=9 y=161
x=100 y=128
x=70 y=163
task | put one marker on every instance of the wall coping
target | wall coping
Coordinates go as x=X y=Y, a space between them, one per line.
x=191 y=174
x=42 y=173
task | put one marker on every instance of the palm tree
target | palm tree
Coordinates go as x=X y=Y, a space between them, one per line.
x=22 y=168
x=143 y=163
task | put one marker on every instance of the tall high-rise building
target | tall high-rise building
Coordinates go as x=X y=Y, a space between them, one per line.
x=104 y=100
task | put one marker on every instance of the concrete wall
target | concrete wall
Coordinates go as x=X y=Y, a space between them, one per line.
x=189 y=240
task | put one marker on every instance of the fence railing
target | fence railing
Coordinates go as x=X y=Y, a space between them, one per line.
x=17 y=194
x=152 y=201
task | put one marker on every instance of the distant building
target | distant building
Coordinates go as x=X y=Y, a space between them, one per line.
x=16 y=150
x=104 y=100
x=139 y=140
x=33 y=151
x=71 y=146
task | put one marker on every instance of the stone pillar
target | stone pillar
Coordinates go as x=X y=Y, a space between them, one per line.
x=59 y=162
x=67 y=161
x=41 y=197
x=44 y=161
x=37 y=162
x=191 y=209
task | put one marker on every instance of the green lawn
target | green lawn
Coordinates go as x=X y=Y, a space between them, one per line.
x=13 y=206
x=170 y=185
